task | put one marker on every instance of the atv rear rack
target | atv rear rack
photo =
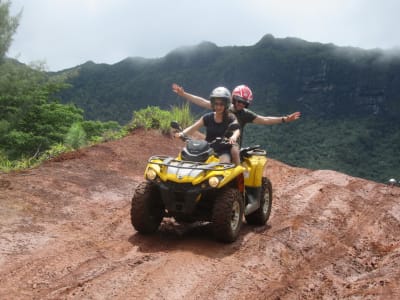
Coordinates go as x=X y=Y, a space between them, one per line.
x=171 y=162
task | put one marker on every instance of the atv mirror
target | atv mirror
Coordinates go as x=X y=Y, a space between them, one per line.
x=175 y=125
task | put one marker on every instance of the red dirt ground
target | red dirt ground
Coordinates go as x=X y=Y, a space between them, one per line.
x=65 y=233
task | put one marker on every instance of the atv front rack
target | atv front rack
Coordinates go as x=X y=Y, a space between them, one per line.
x=171 y=162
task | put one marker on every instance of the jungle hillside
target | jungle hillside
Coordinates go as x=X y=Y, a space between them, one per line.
x=348 y=97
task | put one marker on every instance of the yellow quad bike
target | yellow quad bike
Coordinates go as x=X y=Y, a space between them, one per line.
x=196 y=186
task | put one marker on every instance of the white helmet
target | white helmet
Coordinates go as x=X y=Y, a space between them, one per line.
x=220 y=93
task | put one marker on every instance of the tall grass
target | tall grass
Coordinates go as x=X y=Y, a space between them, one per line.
x=153 y=117
x=30 y=162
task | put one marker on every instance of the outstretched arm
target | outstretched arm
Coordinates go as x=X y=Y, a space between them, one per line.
x=277 y=120
x=191 y=98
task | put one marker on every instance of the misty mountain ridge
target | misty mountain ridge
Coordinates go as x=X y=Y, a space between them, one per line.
x=348 y=97
x=318 y=79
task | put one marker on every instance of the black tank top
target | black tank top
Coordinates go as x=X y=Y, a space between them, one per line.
x=214 y=129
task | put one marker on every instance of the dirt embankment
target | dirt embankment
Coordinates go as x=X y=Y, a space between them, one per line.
x=65 y=233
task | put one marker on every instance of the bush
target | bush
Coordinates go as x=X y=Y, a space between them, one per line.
x=76 y=136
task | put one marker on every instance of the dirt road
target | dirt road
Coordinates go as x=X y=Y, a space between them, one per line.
x=65 y=233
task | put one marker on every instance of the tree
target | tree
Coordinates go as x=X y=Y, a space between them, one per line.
x=32 y=119
x=8 y=26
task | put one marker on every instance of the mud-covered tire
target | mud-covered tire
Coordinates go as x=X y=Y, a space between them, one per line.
x=147 y=208
x=261 y=215
x=227 y=215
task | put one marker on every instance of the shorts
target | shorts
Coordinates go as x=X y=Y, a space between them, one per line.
x=222 y=149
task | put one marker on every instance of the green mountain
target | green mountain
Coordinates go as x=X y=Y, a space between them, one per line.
x=349 y=97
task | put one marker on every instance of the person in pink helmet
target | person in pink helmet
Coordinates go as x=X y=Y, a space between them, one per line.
x=242 y=97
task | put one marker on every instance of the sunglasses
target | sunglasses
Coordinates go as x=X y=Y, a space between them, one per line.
x=240 y=100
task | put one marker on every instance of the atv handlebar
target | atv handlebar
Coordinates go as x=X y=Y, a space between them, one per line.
x=244 y=152
x=184 y=137
x=220 y=140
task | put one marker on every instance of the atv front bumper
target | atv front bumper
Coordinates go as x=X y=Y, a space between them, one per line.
x=181 y=198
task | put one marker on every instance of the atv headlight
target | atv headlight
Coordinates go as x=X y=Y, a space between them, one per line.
x=213 y=181
x=151 y=174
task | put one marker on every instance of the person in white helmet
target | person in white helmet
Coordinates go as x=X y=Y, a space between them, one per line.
x=242 y=97
x=217 y=124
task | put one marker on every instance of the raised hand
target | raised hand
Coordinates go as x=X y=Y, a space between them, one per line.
x=293 y=117
x=178 y=89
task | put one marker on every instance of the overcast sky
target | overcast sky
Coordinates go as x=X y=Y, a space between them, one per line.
x=67 y=33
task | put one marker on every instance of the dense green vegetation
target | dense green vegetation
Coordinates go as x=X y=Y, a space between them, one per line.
x=367 y=148
x=32 y=121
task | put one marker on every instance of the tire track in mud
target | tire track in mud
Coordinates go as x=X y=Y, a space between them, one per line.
x=66 y=234
x=336 y=220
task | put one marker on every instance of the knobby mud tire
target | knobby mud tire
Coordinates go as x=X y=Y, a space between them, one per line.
x=147 y=208
x=227 y=215
x=261 y=215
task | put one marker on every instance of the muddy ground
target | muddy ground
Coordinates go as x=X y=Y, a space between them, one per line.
x=65 y=233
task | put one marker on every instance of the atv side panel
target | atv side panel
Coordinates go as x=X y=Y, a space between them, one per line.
x=261 y=215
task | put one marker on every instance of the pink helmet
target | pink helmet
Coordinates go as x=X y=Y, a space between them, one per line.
x=242 y=93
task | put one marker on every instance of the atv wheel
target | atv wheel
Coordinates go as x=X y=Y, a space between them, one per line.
x=147 y=209
x=261 y=215
x=227 y=215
